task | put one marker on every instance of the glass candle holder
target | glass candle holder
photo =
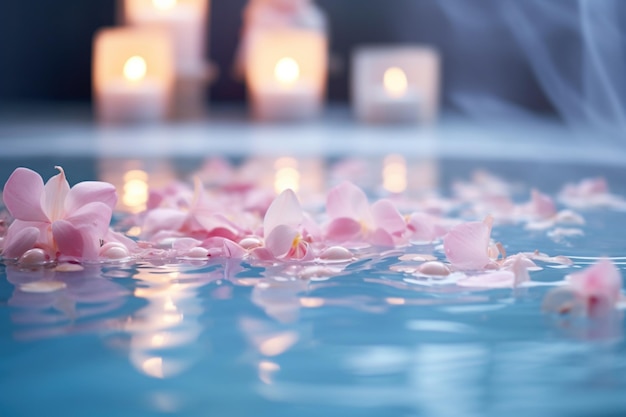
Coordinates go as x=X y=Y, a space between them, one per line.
x=133 y=74
x=286 y=70
x=395 y=84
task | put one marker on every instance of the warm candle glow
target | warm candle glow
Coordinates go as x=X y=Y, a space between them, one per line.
x=395 y=82
x=164 y=4
x=135 y=68
x=287 y=71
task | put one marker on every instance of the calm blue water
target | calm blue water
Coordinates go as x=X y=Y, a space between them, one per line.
x=223 y=338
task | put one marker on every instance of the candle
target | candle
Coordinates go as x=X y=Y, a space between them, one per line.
x=132 y=75
x=395 y=84
x=286 y=73
x=186 y=22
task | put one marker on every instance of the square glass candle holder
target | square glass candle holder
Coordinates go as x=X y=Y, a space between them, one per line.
x=286 y=72
x=186 y=20
x=395 y=84
x=133 y=75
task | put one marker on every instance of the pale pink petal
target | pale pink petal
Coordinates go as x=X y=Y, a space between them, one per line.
x=163 y=219
x=87 y=192
x=564 y=300
x=466 y=245
x=343 y=229
x=262 y=254
x=284 y=210
x=19 y=240
x=387 y=217
x=96 y=216
x=69 y=240
x=233 y=250
x=280 y=240
x=53 y=198
x=600 y=281
x=112 y=236
x=380 y=237
x=542 y=205
x=348 y=200
x=496 y=279
x=22 y=195
x=424 y=227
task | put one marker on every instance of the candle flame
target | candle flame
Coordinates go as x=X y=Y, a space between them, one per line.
x=287 y=71
x=395 y=82
x=164 y=4
x=135 y=68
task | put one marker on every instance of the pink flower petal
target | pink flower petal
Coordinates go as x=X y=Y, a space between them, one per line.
x=381 y=237
x=163 y=219
x=69 y=239
x=87 y=192
x=542 y=205
x=600 y=281
x=424 y=227
x=19 y=240
x=284 y=210
x=343 y=229
x=348 y=200
x=233 y=250
x=96 y=216
x=53 y=198
x=280 y=240
x=387 y=217
x=466 y=245
x=22 y=195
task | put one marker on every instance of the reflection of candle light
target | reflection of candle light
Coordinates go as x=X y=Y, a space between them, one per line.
x=135 y=194
x=311 y=302
x=153 y=367
x=287 y=71
x=395 y=82
x=266 y=370
x=287 y=175
x=278 y=344
x=395 y=301
x=164 y=4
x=394 y=174
x=135 y=68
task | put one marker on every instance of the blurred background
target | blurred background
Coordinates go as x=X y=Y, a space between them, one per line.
x=500 y=57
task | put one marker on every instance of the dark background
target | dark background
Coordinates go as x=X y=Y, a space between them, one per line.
x=45 y=48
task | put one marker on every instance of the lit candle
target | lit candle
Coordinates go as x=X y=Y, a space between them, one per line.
x=186 y=20
x=286 y=73
x=396 y=84
x=132 y=75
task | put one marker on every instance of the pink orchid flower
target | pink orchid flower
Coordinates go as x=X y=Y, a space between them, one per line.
x=467 y=246
x=353 y=219
x=62 y=221
x=285 y=236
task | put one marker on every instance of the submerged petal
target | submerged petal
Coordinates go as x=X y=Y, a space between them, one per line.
x=22 y=195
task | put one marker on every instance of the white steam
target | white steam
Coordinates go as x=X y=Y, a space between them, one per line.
x=575 y=48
